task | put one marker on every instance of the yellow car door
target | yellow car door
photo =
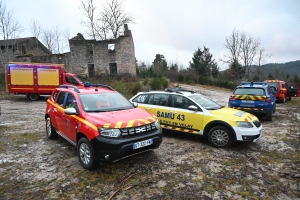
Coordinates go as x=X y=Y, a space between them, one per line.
x=182 y=118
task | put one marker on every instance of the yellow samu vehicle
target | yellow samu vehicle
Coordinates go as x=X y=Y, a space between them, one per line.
x=190 y=112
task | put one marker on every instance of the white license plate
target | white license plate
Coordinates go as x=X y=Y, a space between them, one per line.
x=247 y=101
x=142 y=144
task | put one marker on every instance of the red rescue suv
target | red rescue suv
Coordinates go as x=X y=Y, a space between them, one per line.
x=282 y=92
x=101 y=123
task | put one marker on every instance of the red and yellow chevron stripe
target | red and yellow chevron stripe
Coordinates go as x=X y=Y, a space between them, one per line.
x=179 y=129
x=249 y=97
x=242 y=108
x=130 y=123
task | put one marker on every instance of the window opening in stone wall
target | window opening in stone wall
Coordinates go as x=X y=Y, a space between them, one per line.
x=113 y=68
x=90 y=49
x=23 y=50
x=91 y=69
x=111 y=48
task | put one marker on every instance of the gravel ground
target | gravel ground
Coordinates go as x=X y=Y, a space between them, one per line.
x=184 y=167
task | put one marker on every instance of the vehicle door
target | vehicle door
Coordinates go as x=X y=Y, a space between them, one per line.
x=182 y=118
x=285 y=89
x=155 y=103
x=69 y=122
x=58 y=111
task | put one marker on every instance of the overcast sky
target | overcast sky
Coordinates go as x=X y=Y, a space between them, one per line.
x=176 y=28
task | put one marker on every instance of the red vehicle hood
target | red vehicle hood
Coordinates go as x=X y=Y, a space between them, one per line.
x=121 y=119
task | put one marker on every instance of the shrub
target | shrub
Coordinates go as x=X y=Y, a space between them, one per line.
x=180 y=78
x=136 y=88
x=156 y=84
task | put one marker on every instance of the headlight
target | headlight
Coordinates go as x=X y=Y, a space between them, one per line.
x=244 y=124
x=157 y=125
x=113 y=133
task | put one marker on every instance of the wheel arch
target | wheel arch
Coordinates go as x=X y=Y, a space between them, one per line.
x=219 y=123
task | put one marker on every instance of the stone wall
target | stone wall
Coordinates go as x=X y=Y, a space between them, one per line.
x=85 y=53
x=90 y=57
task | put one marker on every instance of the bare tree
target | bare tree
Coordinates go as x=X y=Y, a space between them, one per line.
x=88 y=9
x=243 y=49
x=58 y=44
x=48 y=39
x=249 y=47
x=234 y=46
x=111 y=18
x=261 y=59
x=35 y=28
x=9 y=30
x=66 y=38
x=115 y=17
x=9 y=27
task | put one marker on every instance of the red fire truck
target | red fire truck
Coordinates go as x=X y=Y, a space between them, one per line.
x=34 y=80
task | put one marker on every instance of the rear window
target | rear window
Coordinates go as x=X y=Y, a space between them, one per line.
x=250 y=91
x=275 y=84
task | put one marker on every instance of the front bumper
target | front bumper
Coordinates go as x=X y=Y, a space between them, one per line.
x=248 y=134
x=108 y=150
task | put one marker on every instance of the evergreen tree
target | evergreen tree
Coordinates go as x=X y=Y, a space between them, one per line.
x=203 y=64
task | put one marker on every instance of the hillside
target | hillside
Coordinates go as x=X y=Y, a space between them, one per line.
x=291 y=68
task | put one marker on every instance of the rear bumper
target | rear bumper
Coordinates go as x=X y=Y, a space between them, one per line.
x=110 y=150
x=255 y=112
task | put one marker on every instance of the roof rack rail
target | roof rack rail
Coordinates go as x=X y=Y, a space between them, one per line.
x=179 y=90
x=252 y=83
x=87 y=84
x=69 y=86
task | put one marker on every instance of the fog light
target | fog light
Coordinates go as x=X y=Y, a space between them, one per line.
x=106 y=157
x=247 y=137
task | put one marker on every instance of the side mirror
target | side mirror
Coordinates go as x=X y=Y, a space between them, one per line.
x=134 y=104
x=192 y=107
x=70 y=111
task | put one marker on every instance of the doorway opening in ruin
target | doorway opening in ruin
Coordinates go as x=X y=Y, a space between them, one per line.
x=113 y=68
x=91 y=71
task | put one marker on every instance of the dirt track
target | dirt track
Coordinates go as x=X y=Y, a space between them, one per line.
x=184 y=167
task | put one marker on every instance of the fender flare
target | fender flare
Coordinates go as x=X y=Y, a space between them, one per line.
x=216 y=123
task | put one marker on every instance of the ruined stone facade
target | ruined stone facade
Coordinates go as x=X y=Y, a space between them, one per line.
x=88 y=58
x=91 y=57
x=21 y=50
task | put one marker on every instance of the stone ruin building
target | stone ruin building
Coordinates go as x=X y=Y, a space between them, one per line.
x=87 y=58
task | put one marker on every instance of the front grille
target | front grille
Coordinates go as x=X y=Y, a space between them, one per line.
x=137 y=131
x=257 y=123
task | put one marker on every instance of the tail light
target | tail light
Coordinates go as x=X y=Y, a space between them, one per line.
x=231 y=98
x=267 y=100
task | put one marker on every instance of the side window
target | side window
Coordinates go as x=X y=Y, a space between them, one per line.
x=181 y=102
x=71 y=80
x=71 y=101
x=159 y=99
x=55 y=95
x=141 y=98
x=61 y=98
x=283 y=85
x=269 y=90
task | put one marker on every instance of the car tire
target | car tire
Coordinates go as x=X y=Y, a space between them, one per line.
x=269 y=116
x=33 y=96
x=220 y=137
x=85 y=154
x=50 y=130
